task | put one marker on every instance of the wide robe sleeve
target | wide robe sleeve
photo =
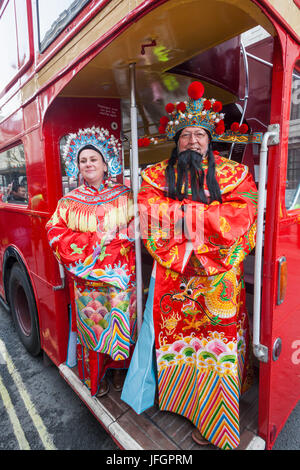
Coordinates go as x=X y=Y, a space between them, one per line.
x=161 y=221
x=213 y=237
x=92 y=255
x=223 y=234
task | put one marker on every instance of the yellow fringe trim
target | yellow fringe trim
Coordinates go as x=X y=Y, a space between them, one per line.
x=82 y=218
x=120 y=215
x=78 y=217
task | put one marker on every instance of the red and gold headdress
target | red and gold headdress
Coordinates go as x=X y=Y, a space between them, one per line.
x=198 y=111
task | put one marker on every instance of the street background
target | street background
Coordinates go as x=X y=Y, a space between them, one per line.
x=50 y=415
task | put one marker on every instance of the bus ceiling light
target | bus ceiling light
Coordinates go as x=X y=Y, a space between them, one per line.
x=281 y=279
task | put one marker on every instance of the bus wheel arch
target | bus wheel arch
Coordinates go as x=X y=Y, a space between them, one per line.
x=20 y=296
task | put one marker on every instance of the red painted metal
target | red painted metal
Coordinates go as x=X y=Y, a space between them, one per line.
x=276 y=18
x=279 y=388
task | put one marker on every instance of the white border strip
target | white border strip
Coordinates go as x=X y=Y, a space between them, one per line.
x=16 y=425
x=256 y=443
x=45 y=437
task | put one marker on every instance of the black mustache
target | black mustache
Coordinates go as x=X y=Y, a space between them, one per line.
x=189 y=163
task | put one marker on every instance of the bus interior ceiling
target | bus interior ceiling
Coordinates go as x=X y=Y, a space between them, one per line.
x=169 y=50
x=181 y=52
x=165 y=46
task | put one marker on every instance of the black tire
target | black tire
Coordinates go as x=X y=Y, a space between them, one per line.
x=23 y=308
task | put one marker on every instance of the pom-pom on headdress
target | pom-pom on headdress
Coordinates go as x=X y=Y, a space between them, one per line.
x=107 y=144
x=198 y=111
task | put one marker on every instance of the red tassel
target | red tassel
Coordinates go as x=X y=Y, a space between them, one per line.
x=195 y=90
x=207 y=105
x=217 y=106
x=181 y=107
x=143 y=142
x=243 y=128
x=235 y=127
x=220 y=128
x=170 y=108
x=164 y=120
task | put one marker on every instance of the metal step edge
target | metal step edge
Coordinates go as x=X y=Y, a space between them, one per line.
x=256 y=443
x=121 y=437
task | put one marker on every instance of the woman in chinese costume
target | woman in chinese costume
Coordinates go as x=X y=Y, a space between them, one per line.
x=89 y=235
x=198 y=213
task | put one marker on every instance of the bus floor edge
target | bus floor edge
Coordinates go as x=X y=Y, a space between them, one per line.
x=156 y=429
x=101 y=413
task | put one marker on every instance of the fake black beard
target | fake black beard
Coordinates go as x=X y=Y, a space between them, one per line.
x=189 y=167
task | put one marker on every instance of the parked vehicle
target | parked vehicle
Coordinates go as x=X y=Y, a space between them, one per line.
x=73 y=64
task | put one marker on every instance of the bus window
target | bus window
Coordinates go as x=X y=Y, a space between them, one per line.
x=54 y=16
x=68 y=183
x=9 y=53
x=13 y=180
x=292 y=195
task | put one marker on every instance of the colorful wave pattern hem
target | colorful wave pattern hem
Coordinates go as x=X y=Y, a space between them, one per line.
x=103 y=321
x=202 y=382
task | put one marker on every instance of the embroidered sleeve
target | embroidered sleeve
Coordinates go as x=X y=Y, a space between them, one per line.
x=106 y=256
x=162 y=231
x=214 y=237
x=223 y=234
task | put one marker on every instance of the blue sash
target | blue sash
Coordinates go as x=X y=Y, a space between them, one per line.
x=140 y=383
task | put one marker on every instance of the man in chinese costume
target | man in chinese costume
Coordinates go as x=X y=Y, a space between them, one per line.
x=198 y=212
x=89 y=235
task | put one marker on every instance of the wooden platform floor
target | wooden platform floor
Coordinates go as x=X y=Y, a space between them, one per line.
x=155 y=429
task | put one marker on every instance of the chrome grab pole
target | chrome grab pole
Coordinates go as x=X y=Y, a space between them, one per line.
x=134 y=171
x=246 y=66
x=271 y=137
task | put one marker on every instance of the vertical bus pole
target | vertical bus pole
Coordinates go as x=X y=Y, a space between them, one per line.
x=134 y=171
x=271 y=137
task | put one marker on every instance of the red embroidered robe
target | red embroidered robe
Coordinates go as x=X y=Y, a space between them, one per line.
x=90 y=235
x=199 y=313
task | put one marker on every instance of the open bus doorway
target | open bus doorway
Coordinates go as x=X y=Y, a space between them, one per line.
x=88 y=54
x=243 y=77
x=240 y=106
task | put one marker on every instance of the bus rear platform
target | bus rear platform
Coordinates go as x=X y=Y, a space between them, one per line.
x=155 y=429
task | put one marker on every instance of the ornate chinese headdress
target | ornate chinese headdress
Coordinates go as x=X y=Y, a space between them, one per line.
x=106 y=144
x=198 y=111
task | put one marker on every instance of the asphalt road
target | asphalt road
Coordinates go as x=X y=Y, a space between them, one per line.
x=38 y=410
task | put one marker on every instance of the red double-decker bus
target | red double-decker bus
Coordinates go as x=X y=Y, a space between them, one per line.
x=72 y=64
